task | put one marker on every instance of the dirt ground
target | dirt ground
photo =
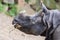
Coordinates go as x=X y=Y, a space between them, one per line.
x=8 y=32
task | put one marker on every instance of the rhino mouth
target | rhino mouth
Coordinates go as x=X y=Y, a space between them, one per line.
x=16 y=23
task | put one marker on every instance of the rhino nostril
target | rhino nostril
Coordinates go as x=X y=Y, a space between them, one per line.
x=15 y=25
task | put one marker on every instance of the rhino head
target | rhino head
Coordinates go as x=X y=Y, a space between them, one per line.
x=33 y=24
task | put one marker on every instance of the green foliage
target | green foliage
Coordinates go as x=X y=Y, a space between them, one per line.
x=2 y=7
x=12 y=11
x=36 y=4
x=50 y=4
x=27 y=1
x=0 y=0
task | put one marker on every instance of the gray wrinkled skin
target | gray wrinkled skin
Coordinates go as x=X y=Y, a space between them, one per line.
x=33 y=23
x=52 y=17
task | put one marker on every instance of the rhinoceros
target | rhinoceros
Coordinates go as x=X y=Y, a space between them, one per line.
x=33 y=23
x=46 y=23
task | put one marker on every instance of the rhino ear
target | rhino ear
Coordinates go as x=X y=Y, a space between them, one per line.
x=44 y=8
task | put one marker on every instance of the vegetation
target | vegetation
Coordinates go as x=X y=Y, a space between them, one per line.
x=2 y=7
x=12 y=11
x=52 y=4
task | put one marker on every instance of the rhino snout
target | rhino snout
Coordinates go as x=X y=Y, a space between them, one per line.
x=15 y=23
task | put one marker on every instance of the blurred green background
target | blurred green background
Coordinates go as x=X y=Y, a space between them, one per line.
x=12 y=9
